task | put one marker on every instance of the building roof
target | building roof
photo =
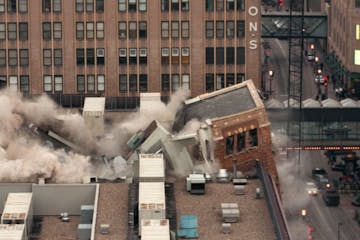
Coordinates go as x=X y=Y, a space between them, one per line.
x=94 y=106
x=53 y=228
x=12 y=231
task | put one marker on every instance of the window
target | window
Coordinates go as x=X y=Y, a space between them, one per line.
x=100 y=30
x=58 y=57
x=142 y=5
x=123 y=83
x=80 y=56
x=240 y=77
x=175 y=82
x=165 y=56
x=24 y=83
x=209 y=32
x=12 y=31
x=174 y=29
x=24 y=57
x=47 y=57
x=57 y=30
x=2 y=6
x=79 y=5
x=80 y=80
x=58 y=83
x=90 y=56
x=47 y=31
x=219 y=55
x=11 y=6
x=122 y=56
x=357 y=57
x=164 y=5
x=133 y=83
x=230 y=5
x=2 y=57
x=132 y=30
x=100 y=56
x=230 y=55
x=164 y=29
x=253 y=138
x=185 y=55
x=143 y=83
x=175 y=56
x=219 y=29
x=165 y=82
x=209 y=82
x=13 y=83
x=79 y=30
x=209 y=5
x=230 y=79
x=357 y=32
x=240 y=28
x=57 y=6
x=12 y=57
x=240 y=6
x=357 y=3
x=230 y=145
x=209 y=55
x=122 y=5
x=46 y=6
x=90 y=30
x=91 y=83
x=3 y=82
x=143 y=56
x=230 y=29
x=185 y=33
x=48 y=83
x=186 y=81
x=132 y=5
x=219 y=5
x=142 y=29
x=99 y=5
x=23 y=6
x=240 y=146
x=174 y=5
x=101 y=82
x=185 y=5
x=90 y=5
x=2 y=31
x=23 y=31
x=240 y=55
x=132 y=56
x=219 y=81
x=122 y=30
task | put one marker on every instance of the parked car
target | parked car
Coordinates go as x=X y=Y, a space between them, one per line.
x=311 y=188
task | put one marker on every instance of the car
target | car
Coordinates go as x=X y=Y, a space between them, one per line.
x=331 y=197
x=311 y=189
x=318 y=172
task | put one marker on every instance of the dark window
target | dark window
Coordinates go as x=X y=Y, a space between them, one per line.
x=220 y=81
x=219 y=29
x=165 y=82
x=132 y=5
x=47 y=57
x=230 y=79
x=240 y=55
x=240 y=6
x=23 y=31
x=12 y=57
x=142 y=30
x=185 y=5
x=174 y=5
x=24 y=83
x=123 y=83
x=219 y=5
x=230 y=5
x=99 y=5
x=209 y=55
x=100 y=56
x=3 y=82
x=143 y=55
x=80 y=56
x=90 y=56
x=58 y=57
x=24 y=57
x=80 y=83
x=230 y=29
x=164 y=5
x=11 y=6
x=122 y=56
x=253 y=138
x=240 y=77
x=2 y=57
x=209 y=29
x=219 y=55
x=143 y=83
x=357 y=3
x=230 y=145
x=132 y=30
x=46 y=6
x=209 y=82
x=209 y=5
x=230 y=55
x=132 y=56
x=47 y=31
x=133 y=83
x=240 y=142
x=240 y=28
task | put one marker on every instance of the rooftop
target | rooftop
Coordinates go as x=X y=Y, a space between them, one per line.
x=53 y=228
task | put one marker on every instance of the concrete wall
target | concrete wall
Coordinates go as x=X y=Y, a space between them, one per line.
x=6 y=188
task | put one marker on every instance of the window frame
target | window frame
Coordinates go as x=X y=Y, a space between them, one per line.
x=57 y=33
x=12 y=60
x=23 y=33
x=80 y=31
x=209 y=29
x=165 y=29
x=79 y=6
x=24 y=57
x=80 y=83
x=185 y=29
x=100 y=28
x=11 y=32
x=23 y=6
x=122 y=32
x=58 y=59
x=47 y=57
x=47 y=83
x=46 y=28
x=90 y=30
x=24 y=83
x=123 y=83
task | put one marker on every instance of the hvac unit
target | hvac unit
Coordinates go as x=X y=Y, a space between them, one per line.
x=104 y=229
x=100 y=52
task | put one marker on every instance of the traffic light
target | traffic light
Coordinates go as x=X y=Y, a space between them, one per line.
x=325 y=81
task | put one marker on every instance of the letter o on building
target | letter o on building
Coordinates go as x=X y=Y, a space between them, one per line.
x=253 y=11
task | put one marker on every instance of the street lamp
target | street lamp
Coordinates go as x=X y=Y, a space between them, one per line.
x=316 y=59
x=271 y=75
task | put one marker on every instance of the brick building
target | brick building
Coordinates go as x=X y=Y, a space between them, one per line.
x=119 y=48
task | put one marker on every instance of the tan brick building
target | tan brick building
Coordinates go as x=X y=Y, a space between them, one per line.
x=119 y=48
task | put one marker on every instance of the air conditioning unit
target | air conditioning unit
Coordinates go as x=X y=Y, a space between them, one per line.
x=122 y=52
x=100 y=52
x=104 y=229
x=143 y=52
x=165 y=52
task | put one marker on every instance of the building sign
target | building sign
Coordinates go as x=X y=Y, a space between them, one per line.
x=253 y=27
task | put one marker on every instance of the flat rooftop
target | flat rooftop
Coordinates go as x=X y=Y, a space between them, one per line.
x=53 y=228
x=112 y=209
x=255 y=221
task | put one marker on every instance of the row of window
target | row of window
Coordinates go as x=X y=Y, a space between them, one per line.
x=131 y=5
x=175 y=55
x=90 y=56
x=14 y=82
x=12 y=6
x=90 y=84
x=13 y=59
x=89 y=5
x=220 y=30
x=132 y=57
x=221 y=5
x=132 y=29
x=220 y=80
x=12 y=33
x=55 y=5
x=90 y=30
x=175 y=82
x=241 y=141
x=220 y=54
x=175 y=5
x=175 y=29
x=57 y=30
